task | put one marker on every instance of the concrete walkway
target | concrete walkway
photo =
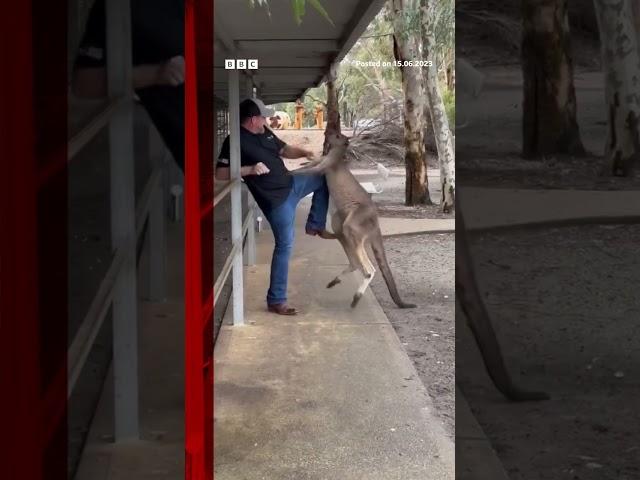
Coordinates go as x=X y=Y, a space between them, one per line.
x=408 y=226
x=505 y=207
x=328 y=394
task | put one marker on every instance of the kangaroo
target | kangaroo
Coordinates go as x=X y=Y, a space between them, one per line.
x=355 y=221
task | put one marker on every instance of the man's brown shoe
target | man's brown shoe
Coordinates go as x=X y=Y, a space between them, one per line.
x=282 y=309
x=321 y=233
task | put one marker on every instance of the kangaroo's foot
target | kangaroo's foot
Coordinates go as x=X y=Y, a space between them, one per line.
x=356 y=299
x=334 y=282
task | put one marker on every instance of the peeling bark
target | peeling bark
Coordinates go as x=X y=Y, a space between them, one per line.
x=549 y=110
x=439 y=120
x=333 y=110
x=405 y=47
x=617 y=21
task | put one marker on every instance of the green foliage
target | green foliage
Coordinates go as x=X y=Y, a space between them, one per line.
x=318 y=6
x=445 y=26
x=449 y=99
x=298 y=7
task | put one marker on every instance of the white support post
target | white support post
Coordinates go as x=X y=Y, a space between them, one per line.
x=250 y=248
x=156 y=232
x=123 y=228
x=236 y=195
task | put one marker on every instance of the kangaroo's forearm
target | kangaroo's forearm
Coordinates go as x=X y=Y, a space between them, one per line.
x=289 y=151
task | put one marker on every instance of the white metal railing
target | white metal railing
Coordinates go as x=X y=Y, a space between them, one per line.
x=224 y=191
x=118 y=288
x=96 y=313
x=93 y=127
x=236 y=249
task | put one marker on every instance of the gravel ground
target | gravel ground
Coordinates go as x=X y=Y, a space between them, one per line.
x=562 y=300
x=566 y=309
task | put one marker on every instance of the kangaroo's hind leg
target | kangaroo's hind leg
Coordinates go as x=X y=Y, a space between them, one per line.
x=368 y=270
x=355 y=235
x=353 y=266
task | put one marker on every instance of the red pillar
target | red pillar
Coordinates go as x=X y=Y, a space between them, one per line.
x=198 y=240
x=33 y=262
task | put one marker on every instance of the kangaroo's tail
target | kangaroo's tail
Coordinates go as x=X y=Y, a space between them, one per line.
x=381 y=258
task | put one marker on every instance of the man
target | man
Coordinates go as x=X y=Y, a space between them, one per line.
x=157 y=30
x=276 y=192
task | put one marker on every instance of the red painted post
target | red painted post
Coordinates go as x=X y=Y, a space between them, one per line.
x=198 y=240
x=33 y=255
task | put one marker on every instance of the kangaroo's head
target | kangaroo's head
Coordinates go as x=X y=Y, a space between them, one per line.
x=338 y=140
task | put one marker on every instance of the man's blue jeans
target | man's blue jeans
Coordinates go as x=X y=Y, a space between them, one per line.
x=282 y=221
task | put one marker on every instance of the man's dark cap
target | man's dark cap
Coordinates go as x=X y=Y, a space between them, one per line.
x=254 y=108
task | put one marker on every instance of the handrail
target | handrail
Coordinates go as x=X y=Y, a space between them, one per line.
x=225 y=190
x=80 y=140
x=144 y=204
x=226 y=269
x=91 y=129
x=83 y=341
x=218 y=197
x=88 y=331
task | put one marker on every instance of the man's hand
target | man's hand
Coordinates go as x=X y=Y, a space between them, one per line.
x=310 y=155
x=171 y=72
x=260 y=169
x=91 y=82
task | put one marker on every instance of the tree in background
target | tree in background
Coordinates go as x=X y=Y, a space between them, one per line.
x=549 y=110
x=618 y=22
x=406 y=49
x=397 y=94
x=439 y=120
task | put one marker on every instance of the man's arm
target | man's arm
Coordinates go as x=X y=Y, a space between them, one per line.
x=91 y=82
x=289 y=151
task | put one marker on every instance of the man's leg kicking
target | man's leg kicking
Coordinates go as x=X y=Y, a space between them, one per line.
x=303 y=185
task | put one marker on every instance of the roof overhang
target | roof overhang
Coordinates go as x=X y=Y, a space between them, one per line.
x=291 y=58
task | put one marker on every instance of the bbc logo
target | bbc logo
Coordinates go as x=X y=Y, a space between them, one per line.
x=240 y=64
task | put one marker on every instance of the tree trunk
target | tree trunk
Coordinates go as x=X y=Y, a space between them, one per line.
x=439 y=120
x=451 y=81
x=621 y=66
x=549 y=121
x=405 y=48
x=333 y=111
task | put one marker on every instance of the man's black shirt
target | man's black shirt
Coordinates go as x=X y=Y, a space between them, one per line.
x=269 y=190
x=157 y=34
